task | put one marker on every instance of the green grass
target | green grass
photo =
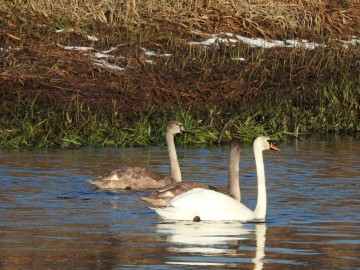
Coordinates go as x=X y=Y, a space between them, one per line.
x=27 y=124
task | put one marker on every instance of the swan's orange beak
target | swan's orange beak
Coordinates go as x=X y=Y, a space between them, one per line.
x=273 y=147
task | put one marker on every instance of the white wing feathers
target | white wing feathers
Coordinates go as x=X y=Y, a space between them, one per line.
x=205 y=204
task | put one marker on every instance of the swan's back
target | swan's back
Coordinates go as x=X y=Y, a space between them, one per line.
x=205 y=204
x=134 y=178
x=163 y=196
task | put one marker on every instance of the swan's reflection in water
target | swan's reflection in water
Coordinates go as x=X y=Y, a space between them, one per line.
x=260 y=232
x=217 y=244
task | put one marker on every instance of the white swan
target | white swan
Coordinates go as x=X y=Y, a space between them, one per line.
x=137 y=178
x=200 y=204
x=162 y=197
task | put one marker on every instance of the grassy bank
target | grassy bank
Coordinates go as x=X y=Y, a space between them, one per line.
x=53 y=97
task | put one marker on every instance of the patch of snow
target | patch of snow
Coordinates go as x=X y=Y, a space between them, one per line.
x=64 y=30
x=238 y=58
x=92 y=38
x=76 y=48
x=151 y=53
x=226 y=38
x=110 y=50
x=102 y=55
x=98 y=55
x=302 y=43
x=148 y=52
x=352 y=42
x=10 y=49
x=105 y=64
x=255 y=42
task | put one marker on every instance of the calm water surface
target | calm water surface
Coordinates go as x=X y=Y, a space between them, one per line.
x=51 y=218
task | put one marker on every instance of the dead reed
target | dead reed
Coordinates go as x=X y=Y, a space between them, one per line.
x=314 y=19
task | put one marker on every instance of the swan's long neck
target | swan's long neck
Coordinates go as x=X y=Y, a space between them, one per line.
x=233 y=182
x=260 y=210
x=175 y=173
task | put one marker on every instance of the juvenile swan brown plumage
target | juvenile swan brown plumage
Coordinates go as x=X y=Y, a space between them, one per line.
x=162 y=197
x=137 y=178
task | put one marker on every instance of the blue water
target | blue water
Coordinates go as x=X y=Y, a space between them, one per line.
x=51 y=218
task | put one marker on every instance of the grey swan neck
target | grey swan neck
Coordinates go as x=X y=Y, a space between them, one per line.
x=260 y=210
x=175 y=172
x=233 y=182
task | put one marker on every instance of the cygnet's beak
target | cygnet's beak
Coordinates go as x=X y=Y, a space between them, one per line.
x=185 y=130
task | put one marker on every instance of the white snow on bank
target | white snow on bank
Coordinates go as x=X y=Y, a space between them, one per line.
x=226 y=38
x=10 y=49
x=105 y=64
x=92 y=38
x=352 y=42
x=101 y=55
x=76 y=48
x=229 y=38
x=302 y=43
x=58 y=31
x=151 y=53
x=97 y=58
x=110 y=50
x=233 y=39
x=239 y=59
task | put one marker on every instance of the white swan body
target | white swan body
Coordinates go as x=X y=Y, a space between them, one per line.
x=137 y=178
x=205 y=204
x=211 y=205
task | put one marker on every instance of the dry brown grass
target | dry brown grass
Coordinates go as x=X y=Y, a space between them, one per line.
x=277 y=18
